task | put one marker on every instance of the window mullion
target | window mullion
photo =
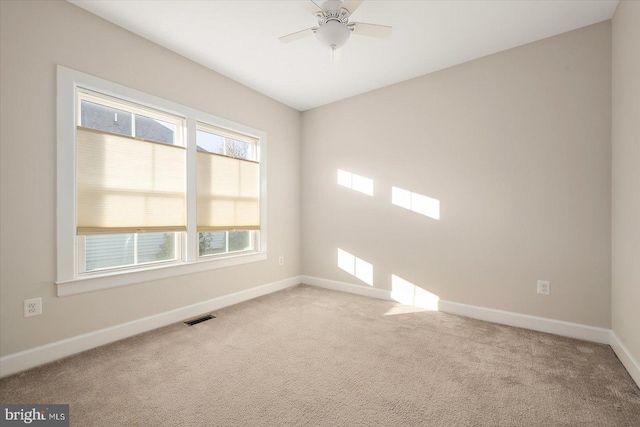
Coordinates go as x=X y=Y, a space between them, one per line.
x=135 y=249
x=82 y=263
x=192 y=232
x=179 y=246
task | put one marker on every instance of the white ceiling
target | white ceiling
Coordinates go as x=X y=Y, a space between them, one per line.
x=239 y=39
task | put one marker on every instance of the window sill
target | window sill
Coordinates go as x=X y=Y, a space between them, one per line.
x=98 y=282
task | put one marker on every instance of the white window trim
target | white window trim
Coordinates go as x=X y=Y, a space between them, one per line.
x=68 y=281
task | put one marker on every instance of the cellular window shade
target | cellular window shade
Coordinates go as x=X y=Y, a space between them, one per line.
x=228 y=191
x=126 y=185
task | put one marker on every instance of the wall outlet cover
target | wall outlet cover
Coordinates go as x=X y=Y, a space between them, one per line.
x=32 y=307
x=544 y=287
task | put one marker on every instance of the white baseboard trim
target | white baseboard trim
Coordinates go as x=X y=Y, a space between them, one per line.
x=334 y=285
x=625 y=356
x=33 y=357
x=526 y=321
x=542 y=324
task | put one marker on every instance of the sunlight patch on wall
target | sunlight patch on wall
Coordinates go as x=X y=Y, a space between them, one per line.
x=355 y=182
x=406 y=292
x=415 y=202
x=355 y=266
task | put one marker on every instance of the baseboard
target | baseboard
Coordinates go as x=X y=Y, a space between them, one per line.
x=541 y=324
x=535 y=323
x=627 y=359
x=334 y=285
x=27 y=359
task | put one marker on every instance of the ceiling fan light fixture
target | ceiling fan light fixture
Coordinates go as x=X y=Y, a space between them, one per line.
x=334 y=28
x=333 y=34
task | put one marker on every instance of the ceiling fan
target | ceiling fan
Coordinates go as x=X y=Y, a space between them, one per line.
x=334 y=28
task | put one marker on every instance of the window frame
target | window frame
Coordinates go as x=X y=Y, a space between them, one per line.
x=68 y=280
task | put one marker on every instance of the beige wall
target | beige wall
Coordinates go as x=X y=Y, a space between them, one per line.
x=626 y=176
x=516 y=146
x=35 y=36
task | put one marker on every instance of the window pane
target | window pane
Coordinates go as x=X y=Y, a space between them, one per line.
x=239 y=240
x=153 y=247
x=100 y=117
x=238 y=149
x=109 y=250
x=119 y=250
x=155 y=130
x=209 y=142
x=212 y=243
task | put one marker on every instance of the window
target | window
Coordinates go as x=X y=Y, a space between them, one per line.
x=228 y=191
x=128 y=188
x=144 y=184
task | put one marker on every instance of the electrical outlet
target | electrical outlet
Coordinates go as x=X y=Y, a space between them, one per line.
x=281 y=260
x=32 y=307
x=543 y=287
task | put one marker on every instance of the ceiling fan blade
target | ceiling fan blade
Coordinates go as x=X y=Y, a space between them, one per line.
x=312 y=7
x=371 y=30
x=297 y=35
x=351 y=5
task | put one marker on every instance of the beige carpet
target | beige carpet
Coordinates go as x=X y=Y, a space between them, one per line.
x=312 y=357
